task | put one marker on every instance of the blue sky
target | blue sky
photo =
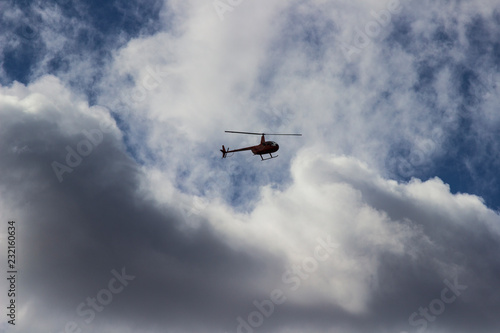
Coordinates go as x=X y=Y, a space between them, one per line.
x=397 y=167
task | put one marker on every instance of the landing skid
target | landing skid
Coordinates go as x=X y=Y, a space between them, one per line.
x=265 y=159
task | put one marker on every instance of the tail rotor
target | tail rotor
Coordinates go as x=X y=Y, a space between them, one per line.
x=224 y=151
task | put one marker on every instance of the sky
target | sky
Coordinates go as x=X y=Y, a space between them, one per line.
x=383 y=217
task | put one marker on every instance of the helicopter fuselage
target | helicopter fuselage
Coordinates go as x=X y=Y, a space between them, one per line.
x=266 y=147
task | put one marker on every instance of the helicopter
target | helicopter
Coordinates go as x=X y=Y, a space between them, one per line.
x=265 y=147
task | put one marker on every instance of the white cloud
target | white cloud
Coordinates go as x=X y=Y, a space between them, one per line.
x=234 y=75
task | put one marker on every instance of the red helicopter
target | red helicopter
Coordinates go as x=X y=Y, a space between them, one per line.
x=265 y=147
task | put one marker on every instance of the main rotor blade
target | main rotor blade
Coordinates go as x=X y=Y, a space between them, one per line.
x=244 y=132
x=283 y=134
x=261 y=133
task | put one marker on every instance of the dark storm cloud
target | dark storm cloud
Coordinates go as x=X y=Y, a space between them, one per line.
x=97 y=220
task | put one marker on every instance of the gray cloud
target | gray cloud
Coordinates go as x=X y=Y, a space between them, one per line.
x=76 y=231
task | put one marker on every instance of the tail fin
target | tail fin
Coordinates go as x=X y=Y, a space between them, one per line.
x=224 y=152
